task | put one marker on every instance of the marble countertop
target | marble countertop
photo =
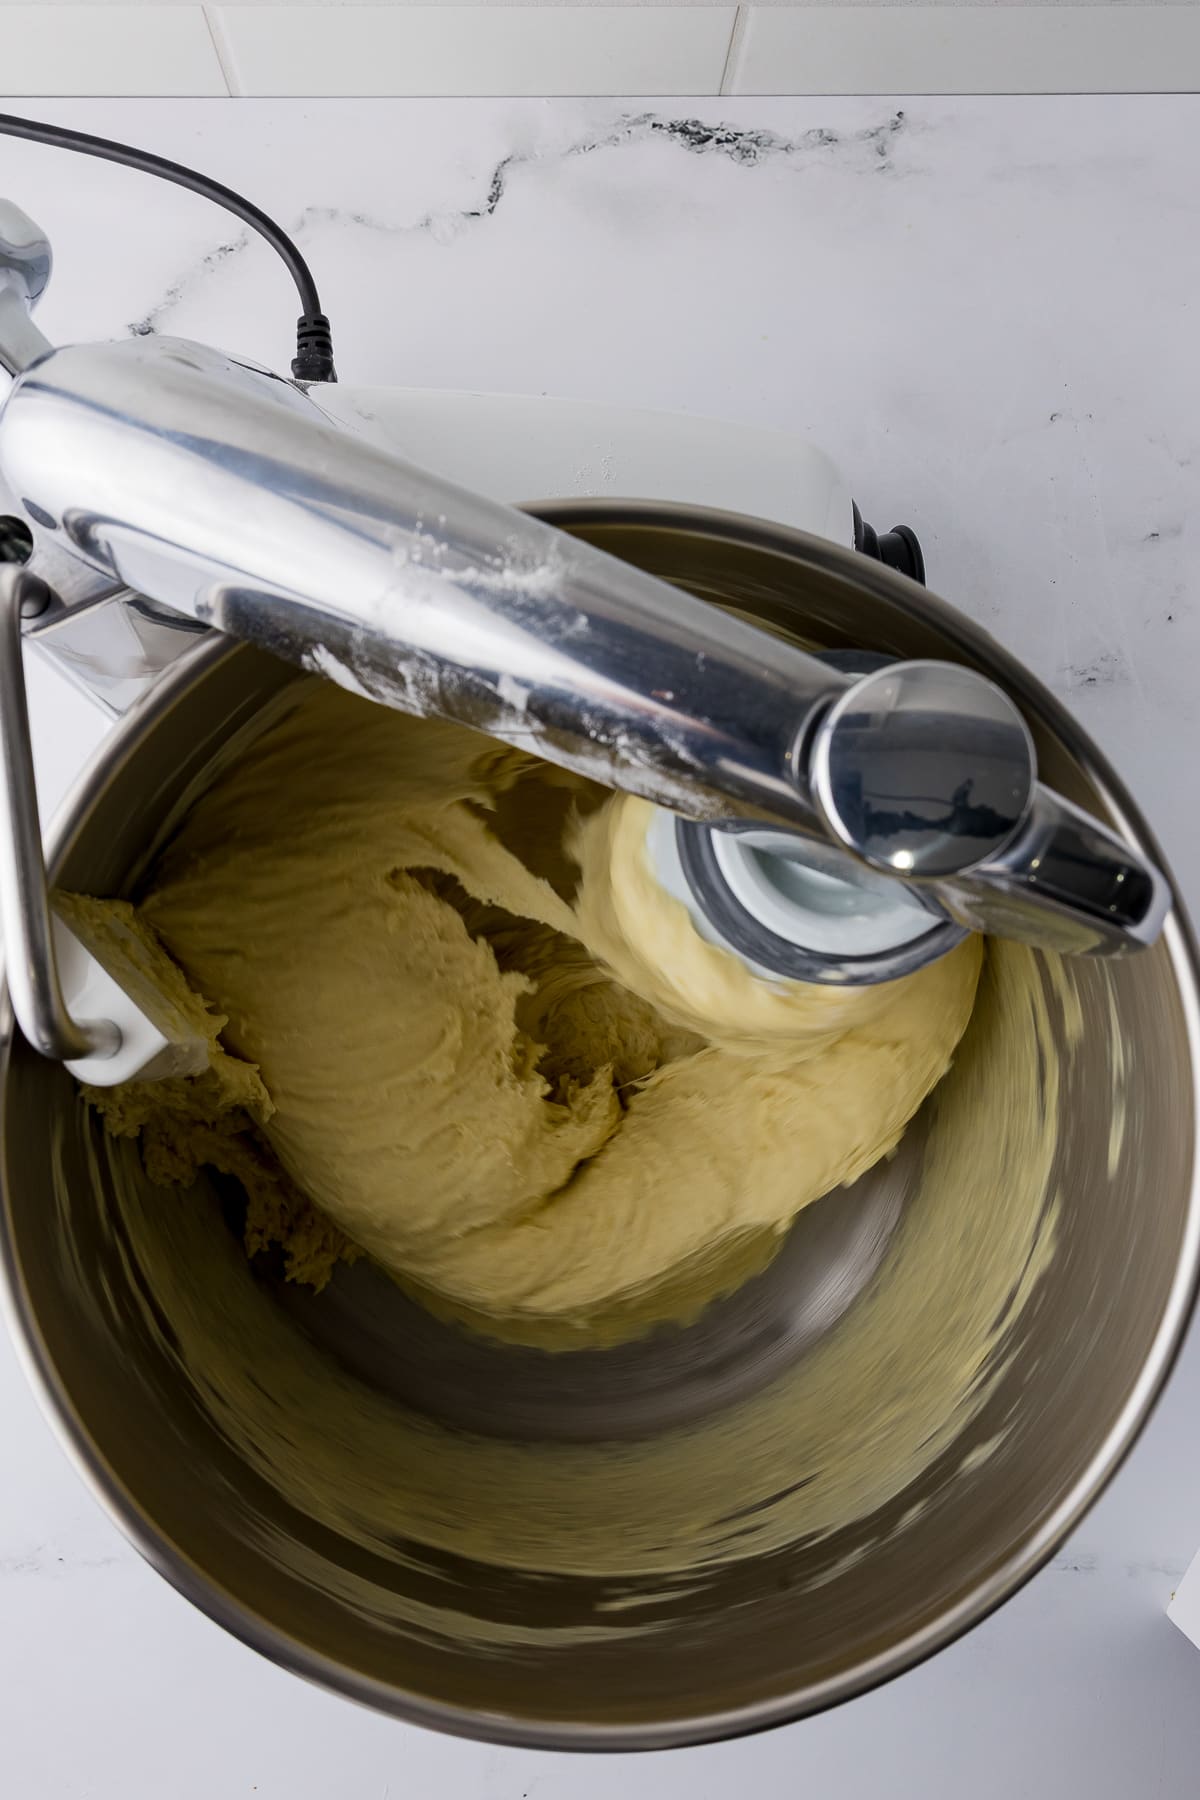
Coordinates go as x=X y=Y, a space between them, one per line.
x=984 y=309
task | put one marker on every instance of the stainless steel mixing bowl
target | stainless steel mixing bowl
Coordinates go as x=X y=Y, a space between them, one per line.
x=760 y=1640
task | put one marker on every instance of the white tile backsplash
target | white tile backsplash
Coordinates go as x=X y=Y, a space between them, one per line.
x=511 y=50
x=950 y=49
x=5 y=5
x=571 y=47
x=108 y=49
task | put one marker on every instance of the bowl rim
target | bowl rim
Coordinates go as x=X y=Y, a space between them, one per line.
x=281 y=1647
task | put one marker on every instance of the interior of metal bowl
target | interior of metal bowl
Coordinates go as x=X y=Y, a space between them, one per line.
x=127 y=1299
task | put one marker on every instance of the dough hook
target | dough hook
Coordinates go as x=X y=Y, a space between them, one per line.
x=838 y=820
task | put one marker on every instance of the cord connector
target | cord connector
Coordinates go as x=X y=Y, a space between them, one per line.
x=313 y=360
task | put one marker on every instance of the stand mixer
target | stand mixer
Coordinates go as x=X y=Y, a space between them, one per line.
x=830 y=815
x=841 y=820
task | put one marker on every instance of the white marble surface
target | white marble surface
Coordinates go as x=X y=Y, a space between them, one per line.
x=985 y=309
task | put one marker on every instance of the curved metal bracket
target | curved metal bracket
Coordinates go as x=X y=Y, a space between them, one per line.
x=25 y=263
x=30 y=962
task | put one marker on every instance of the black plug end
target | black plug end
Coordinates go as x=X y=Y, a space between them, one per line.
x=899 y=548
x=314 y=349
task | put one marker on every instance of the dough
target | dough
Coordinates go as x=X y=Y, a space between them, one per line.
x=871 y=1423
x=488 y=1047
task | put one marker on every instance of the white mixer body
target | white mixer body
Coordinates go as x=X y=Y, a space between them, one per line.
x=524 y=448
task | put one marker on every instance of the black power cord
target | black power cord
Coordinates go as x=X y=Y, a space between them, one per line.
x=314 y=343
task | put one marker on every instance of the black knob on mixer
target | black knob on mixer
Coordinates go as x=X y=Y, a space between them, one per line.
x=899 y=548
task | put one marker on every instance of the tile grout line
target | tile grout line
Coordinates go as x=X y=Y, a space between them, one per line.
x=733 y=53
x=222 y=51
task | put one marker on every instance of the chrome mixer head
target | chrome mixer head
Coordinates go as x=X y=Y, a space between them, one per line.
x=924 y=777
x=219 y=494
x=886 y=765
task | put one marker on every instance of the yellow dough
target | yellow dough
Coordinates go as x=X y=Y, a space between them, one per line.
x=489 y=1048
